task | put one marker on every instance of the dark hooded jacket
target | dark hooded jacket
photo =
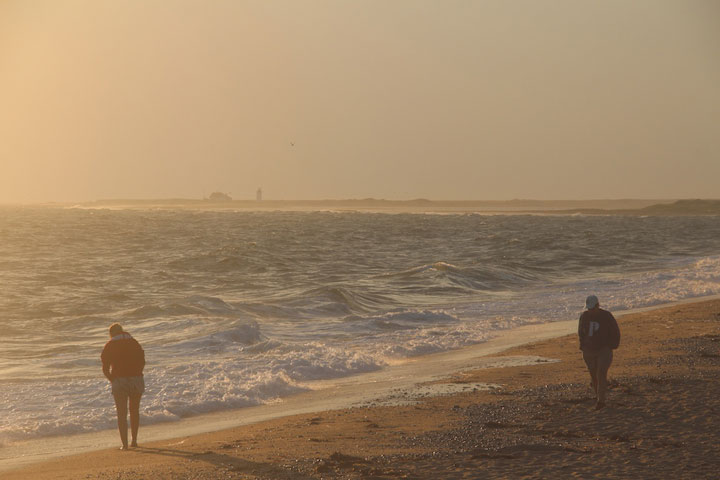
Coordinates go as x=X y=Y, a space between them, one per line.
x=597 y=330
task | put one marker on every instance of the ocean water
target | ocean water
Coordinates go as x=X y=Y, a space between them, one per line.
x=242 y=308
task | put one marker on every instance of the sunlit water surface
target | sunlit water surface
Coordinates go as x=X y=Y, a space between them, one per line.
x=240 y=308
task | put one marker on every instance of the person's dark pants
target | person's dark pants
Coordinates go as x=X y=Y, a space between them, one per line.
x=598 y=362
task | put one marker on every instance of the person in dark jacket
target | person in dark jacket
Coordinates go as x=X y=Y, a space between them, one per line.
x=599 y=336
x=123 y=360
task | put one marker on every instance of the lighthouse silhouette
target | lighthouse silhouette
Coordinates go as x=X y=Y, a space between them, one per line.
x=258 y=195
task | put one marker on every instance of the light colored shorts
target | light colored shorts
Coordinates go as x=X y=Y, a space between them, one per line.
x=128 y=386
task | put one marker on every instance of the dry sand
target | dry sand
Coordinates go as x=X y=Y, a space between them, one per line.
x=662 y=421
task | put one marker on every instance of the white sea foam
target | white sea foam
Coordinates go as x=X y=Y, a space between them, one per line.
x=197 y=383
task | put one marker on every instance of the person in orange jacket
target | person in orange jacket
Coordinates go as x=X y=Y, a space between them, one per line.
x=123 y=360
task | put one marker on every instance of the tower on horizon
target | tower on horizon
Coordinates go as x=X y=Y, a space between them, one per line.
x=258 y=194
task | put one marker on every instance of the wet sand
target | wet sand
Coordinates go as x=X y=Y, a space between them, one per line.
x=531 y=420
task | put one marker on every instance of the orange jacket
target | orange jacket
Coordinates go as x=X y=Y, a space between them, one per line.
x=123 y=357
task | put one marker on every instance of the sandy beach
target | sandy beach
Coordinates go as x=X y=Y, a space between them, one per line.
x=353 y=239
x=532 y=420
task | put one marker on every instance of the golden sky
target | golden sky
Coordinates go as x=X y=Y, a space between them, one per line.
x=445 y=99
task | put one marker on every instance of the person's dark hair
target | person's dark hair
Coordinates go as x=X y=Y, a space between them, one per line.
x=115 y=329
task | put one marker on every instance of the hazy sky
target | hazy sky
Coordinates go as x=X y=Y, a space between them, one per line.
x=445 y=99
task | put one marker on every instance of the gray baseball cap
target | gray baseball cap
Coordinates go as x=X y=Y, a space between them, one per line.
x=591 y=302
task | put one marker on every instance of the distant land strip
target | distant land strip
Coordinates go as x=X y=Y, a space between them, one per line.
x=555 y=207
x=678 y=207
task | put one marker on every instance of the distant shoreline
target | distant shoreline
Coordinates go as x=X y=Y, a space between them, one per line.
x=538 y=207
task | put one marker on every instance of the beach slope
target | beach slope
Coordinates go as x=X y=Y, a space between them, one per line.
x=529 y=421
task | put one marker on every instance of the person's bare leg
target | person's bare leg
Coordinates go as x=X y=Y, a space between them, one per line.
x=134 y=418
x=122 y=410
